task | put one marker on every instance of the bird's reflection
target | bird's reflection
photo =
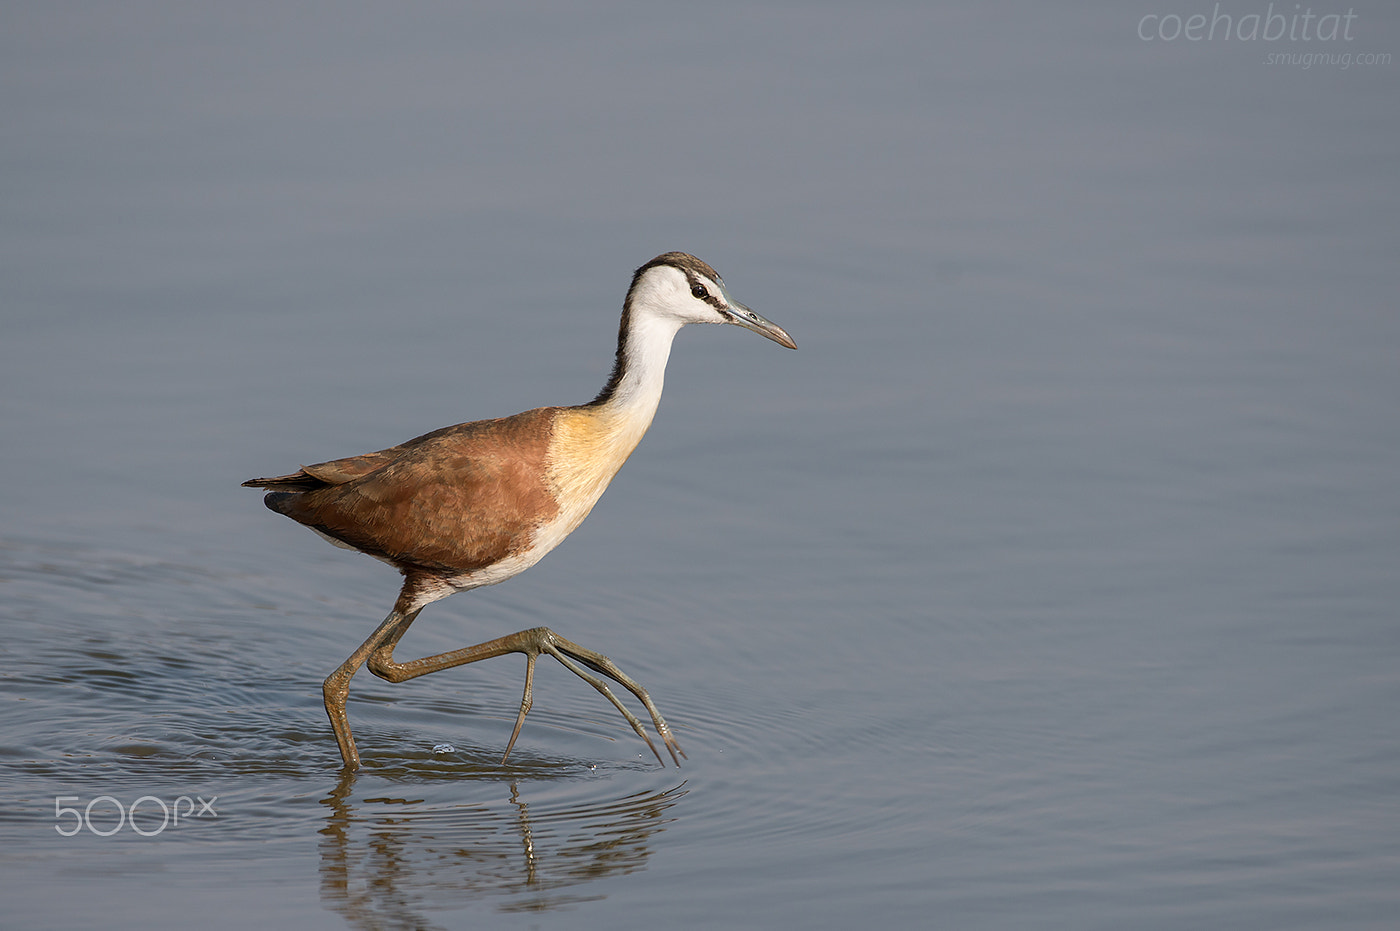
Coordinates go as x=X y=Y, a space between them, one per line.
x=386 y=862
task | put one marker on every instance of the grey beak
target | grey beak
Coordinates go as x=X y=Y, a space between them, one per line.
x=740 y=315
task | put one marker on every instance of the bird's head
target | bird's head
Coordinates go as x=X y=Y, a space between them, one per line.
x=679 y=288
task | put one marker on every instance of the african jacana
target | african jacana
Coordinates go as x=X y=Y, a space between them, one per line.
x=477 y=503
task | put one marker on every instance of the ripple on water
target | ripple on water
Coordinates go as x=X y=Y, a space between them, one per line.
x=198 y=694
x=199 y=678
x=390 y=855
x=203 y=691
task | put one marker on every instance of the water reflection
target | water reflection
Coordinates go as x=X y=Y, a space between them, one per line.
x=386 y=862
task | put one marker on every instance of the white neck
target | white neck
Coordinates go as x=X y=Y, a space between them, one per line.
x=646 y=349
x=593 y=441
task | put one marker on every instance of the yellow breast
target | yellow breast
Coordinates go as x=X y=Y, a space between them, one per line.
x=588 y=446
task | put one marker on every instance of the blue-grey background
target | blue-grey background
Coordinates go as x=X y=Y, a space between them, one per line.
x=1052 y=583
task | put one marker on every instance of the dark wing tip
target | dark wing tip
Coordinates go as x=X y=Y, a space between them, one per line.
x=297 y=481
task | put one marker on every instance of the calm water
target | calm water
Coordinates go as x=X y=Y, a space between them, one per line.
x=1052 y=583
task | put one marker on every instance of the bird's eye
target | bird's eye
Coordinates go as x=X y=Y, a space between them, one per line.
x=698 y=291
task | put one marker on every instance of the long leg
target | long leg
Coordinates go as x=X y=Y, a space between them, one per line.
x=532 y=643
x=600 y=663
x=336 y=688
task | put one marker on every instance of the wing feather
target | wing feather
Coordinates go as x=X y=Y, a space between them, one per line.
x=457 y=499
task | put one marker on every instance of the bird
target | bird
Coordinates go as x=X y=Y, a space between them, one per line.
x=480 y=502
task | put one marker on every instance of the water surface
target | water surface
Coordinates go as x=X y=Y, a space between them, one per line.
x=1049 y=584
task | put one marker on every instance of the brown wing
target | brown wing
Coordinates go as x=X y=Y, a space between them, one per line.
x=459 y=498
x=322 y=474
x=340 y=471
